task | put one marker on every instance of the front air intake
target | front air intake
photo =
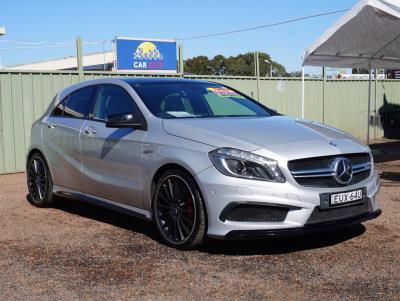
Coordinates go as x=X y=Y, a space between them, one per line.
x=254 y=213
x=335 y=214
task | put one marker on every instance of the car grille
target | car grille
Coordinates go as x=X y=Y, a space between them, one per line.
x=334 y=214
x=255 y=214
x=318 y=173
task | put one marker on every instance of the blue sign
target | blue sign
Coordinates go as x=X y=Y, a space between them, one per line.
x=145 y=55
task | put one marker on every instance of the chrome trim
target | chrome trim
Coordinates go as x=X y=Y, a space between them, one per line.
x=361 y=167
x=328 y=172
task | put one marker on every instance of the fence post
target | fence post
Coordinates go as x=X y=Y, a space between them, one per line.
x=257 y=73
x=180 y=60
x=376 y=102
x=79 y=60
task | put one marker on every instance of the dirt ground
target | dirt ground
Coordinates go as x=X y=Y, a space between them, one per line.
x=77 y=251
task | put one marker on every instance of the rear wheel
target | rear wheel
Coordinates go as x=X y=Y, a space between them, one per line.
x=178 y=210
x=40 y=185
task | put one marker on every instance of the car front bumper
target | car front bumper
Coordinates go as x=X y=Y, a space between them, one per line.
x=306 y=229
x=220 y=192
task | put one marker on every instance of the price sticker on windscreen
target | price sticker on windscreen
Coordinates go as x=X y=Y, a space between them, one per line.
x=225 y=92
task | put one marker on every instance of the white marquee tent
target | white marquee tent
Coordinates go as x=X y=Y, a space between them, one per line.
x=368 y=36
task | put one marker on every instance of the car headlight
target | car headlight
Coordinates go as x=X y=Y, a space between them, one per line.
x=237 y=163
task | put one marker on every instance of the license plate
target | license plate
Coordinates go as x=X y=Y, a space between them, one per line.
x=346 y=197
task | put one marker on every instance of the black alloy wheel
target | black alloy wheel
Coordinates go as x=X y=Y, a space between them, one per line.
x=178 y=210
x=39 y=181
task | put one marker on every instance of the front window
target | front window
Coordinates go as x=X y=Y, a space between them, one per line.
x=197 y=100
x=112 y=99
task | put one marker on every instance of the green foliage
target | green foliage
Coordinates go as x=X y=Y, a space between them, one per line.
x=359 y=71
x=240 y=65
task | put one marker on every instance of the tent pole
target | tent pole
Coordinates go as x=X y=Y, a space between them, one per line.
x=302 y=93
x=323 y=93
x=369 y=99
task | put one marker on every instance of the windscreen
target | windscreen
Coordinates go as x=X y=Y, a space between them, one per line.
x=196 y=100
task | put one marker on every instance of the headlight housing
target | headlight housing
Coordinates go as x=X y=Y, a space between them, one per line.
x=241 y=164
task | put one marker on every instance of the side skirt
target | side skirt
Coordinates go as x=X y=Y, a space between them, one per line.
x=123 y=208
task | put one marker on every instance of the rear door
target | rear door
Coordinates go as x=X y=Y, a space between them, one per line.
x=112 y=158
x=61 y=138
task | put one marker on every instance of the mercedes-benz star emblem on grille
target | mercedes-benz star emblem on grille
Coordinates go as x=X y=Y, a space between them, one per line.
x=343 y=170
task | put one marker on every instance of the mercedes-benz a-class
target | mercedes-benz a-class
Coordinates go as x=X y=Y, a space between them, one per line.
x=199 y=159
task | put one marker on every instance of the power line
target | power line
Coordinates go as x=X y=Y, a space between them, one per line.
x=36 y=43
x=34 y=47
x=40 y=45
x=262 y=26
x=53 y=43
x=97 y=42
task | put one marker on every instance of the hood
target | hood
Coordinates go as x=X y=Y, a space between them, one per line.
x=252 y=133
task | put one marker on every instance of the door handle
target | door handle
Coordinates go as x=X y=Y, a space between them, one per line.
x=51 y=126
x=90 y=131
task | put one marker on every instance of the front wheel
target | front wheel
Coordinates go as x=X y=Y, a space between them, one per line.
x=40 y=184
x=178 y=210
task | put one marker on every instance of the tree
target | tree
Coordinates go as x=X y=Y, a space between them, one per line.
x=293 y=74
x=198 y=65
x=240 y=65
x=359 y=71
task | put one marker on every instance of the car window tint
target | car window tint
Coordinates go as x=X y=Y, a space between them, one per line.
x=112 y=99
x=78 y=104
x=58 y=111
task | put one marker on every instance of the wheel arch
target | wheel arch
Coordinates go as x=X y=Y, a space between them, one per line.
x=33 y=151
x=162 y=169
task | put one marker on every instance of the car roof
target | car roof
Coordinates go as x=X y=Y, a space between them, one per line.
x=129 y=81
x=142 y=80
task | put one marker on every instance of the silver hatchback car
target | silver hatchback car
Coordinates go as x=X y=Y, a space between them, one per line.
x=200 y=159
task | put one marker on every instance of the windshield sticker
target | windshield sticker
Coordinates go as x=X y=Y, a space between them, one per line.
x=225 y=92
x=180 y=114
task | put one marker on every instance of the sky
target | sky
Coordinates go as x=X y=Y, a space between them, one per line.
x=63 y=21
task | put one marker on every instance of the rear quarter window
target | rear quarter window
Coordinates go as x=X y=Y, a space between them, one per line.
x=59 y=110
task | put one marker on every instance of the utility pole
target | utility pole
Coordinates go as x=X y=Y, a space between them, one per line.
x=180 y=60
x=79 y=60
x=2 y=33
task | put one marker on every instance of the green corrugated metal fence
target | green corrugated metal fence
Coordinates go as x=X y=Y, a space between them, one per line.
x=25 y=95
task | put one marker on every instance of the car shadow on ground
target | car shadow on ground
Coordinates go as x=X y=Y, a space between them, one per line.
x=104 y=215
x=386 y=152
x=391 y=176
x=217 y=247
x=275 y=246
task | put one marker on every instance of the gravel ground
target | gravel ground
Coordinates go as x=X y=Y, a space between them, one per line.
x=79 y=251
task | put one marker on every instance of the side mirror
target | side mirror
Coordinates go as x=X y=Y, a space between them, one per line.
x=125 y=120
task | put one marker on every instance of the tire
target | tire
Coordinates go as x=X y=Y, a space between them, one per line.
x=39 y=182
x=176 y=202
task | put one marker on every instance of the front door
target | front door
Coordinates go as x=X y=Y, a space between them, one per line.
x=112 y=158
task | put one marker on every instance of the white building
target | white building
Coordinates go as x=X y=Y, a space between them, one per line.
x=94 y=61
